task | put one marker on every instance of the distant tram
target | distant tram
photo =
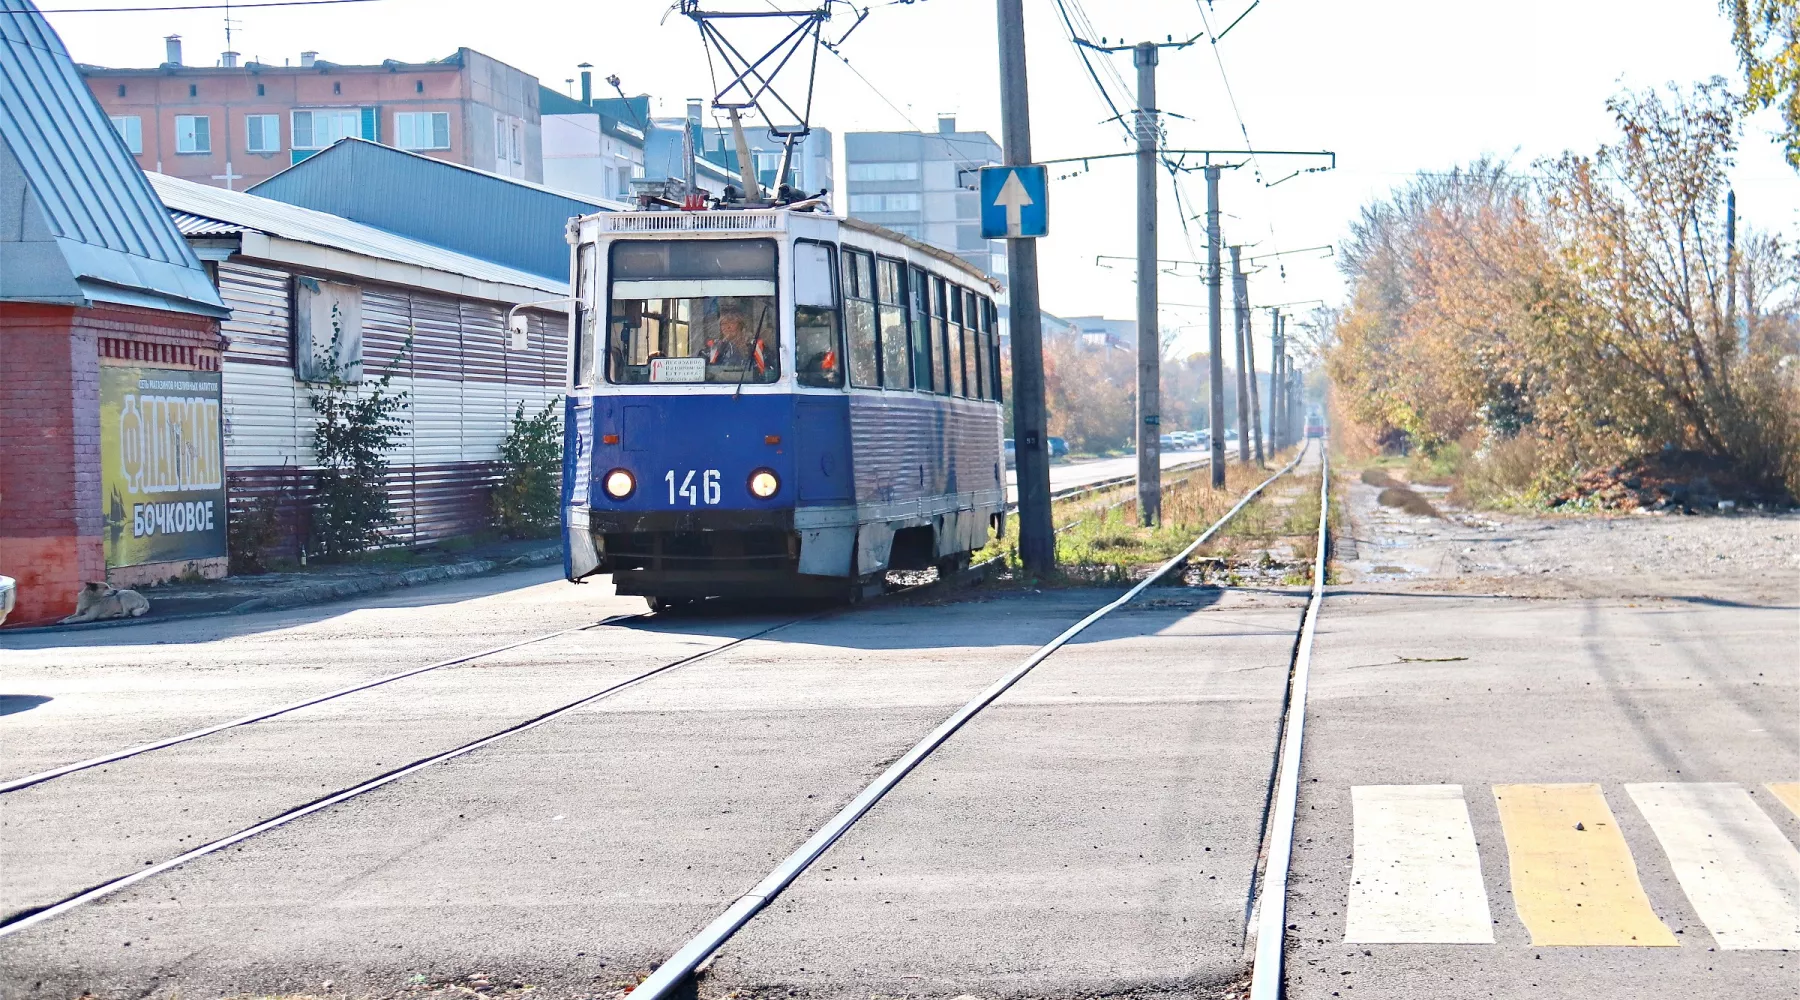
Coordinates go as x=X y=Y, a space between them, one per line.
x=775 y=402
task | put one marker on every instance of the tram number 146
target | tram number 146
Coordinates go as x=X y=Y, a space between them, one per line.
x=706 y=490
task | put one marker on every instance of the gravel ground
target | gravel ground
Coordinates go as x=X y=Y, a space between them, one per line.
x=1751 y=556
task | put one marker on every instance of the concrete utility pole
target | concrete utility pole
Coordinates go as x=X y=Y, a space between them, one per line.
x=1275 y=379
x=1255 y=393
x=1214 y=333
x=1037 y=537
x=1149 y=333
x=1240 y=322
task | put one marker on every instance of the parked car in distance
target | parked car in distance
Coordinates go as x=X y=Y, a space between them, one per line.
x=1166 y=442
x=1011 y=455
x=1058 y=448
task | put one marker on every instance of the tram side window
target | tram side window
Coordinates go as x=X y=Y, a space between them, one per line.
x=976 y=376
x=958 y=373
x=990 y=328
x=940 y=380
x=859 y=319
x=816 y=351
x=586 y=316
x=921 y=329
x=890 y=281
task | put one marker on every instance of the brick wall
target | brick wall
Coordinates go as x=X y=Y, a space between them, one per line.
x=50 y=509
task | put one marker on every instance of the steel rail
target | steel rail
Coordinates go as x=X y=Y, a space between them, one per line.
x=142 y=748
x=673 y=974
x=32 y=917
x=1071 y=492
x=1266 y=973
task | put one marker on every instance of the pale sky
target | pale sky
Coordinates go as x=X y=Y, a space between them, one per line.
x=1392 y=86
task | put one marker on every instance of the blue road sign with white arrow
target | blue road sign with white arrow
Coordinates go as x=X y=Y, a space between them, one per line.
x=1014 y=202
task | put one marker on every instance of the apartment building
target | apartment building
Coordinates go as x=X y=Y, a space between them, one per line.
x=925 y=185
x=811 y=169
x=237 y=123
x=593 y=147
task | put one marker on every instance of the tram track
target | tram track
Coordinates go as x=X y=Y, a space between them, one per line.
x=26 y=918
x=676 y=977
x=29 y=780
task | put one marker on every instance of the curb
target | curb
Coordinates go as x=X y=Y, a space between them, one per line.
x=324 y=593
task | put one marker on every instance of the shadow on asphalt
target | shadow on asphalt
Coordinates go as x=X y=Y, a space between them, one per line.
x=13 y=703
x=926 y=619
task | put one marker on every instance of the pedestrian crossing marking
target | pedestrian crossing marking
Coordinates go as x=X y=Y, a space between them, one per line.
x=1573 y=878
x=1741 y=875
x=1415 y=870
x=1789 y=794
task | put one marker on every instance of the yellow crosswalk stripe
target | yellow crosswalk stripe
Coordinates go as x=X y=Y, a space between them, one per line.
x=1788 y=792
x=1573 y=878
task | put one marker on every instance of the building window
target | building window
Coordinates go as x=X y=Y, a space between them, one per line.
x=121 y=90
x=422 y=130
x=131 y=129
x=262 y=133
x=337 y=87
x=418 y=86
x=261 y=90
x=500 y=138
x=319 y=128
x=193 y=134
x=903 y=171
x=193 y=90
x=518 y=143
x=903 y=202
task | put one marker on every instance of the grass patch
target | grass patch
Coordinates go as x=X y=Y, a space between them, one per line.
x=1101 y=541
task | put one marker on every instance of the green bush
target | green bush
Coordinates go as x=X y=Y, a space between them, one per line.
x=528 y=501
x=356 y=428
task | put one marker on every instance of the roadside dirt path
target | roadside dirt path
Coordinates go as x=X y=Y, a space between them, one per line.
x=1752 y=556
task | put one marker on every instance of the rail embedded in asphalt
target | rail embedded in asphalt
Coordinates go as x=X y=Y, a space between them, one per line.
x=675 y=975
x=163 y=744
x=19 y=921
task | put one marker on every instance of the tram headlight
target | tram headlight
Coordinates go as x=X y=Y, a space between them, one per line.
x=764 y=483
x=619 y=484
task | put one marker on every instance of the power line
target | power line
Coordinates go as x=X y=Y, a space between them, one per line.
x=1069 y=25
x=186 y=6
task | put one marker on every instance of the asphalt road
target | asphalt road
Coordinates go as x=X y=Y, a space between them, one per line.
x=1482 y=693
x=1093 y=834
x=579 y=854
x=1069 y=475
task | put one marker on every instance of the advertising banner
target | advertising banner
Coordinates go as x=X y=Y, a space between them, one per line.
x=162 y=465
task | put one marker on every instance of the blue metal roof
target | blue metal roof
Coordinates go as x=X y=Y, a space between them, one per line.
x=92 y=229
x=511 y=222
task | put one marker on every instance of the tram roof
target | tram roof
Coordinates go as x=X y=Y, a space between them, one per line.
x=766 y=220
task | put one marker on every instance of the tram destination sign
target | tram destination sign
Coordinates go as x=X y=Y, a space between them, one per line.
x=1014 y=202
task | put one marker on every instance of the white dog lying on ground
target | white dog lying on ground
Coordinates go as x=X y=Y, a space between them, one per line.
x=99 y=601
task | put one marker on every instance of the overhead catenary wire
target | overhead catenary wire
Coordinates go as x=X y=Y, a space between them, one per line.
x=186 y=6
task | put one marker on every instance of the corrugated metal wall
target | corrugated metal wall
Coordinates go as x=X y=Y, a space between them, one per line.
x=462 y=379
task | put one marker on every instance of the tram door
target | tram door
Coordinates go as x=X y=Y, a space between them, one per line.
x=822 y=453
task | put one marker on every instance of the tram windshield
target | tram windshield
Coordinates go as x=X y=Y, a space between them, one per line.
x=693 y=311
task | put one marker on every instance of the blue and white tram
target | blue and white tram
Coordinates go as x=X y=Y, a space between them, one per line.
x=770 y=402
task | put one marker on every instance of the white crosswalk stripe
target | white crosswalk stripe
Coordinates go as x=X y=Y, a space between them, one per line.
x=1739 y=872
x=1415 y=870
